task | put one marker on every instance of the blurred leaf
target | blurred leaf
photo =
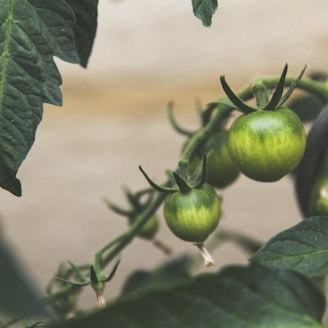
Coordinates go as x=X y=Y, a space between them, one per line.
x=246 y=243
x=32 y=33
x=306 y=107
x=238 y=297
x=303 y=248
x=204 y=10
x=305 y=174
x=183 y=267
x=85 y=27
x=18 y=295
x=169 y=273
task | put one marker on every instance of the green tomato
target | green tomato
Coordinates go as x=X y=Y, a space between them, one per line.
x=193 y=215
x=322 y=202
x=150 y=228
x=267 y=145
x=318 y=203
x=221 y=168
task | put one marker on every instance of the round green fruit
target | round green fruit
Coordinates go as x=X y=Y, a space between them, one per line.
x=221 y=168
x=193 y=215
x=318 y=202
x=267 y=144
x=150 y=228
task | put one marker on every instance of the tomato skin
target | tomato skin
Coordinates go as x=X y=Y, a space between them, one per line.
x=267 y=145
x=193 y=215
x=221 y=168
x=150 y=228
x=318 y=202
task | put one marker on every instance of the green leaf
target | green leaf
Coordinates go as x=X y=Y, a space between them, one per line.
x=204 y=10
x=303 y=248
x=85 y=27
x=169 y=273
x=32 y=32
x=237 y=297
x=18 y=294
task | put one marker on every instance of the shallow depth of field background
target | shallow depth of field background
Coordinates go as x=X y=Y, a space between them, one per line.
x=114 y=118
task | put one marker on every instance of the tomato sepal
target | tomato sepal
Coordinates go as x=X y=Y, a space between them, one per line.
x=277 y=98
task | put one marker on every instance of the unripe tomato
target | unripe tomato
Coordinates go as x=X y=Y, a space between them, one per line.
x=266 y=145
x=193 y=215
x=319 y=198
x=318 y=203
x=150 y=228
x=221 y=168
x=322 y=202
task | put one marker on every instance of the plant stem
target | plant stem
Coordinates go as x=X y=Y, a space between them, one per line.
x=208 y=259
x=318 y=89
x=260 y=93
x=101 y=303
x=202 y=135
x=167 y=250
x=123 y=240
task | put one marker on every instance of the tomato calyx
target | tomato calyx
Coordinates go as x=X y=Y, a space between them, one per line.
x=179 y=181
x=137 y=206
x=134 y=201
x=276 y=101
x=96 y=279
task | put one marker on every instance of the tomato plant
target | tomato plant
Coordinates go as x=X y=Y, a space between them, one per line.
x=281 y=285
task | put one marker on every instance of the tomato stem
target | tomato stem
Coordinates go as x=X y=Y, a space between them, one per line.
x=101 y=303
x=315 y=88
x=208 y=259
x=175 y=124
x=260 y=92
x=167 y=250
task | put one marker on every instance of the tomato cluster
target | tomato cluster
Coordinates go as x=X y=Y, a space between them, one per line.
x=265 y=144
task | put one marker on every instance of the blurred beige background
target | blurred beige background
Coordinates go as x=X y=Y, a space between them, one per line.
x=114 y=118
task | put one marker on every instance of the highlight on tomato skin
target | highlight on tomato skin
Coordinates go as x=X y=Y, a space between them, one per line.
x=266 y=145
x=318 y=200
x=192 y=216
